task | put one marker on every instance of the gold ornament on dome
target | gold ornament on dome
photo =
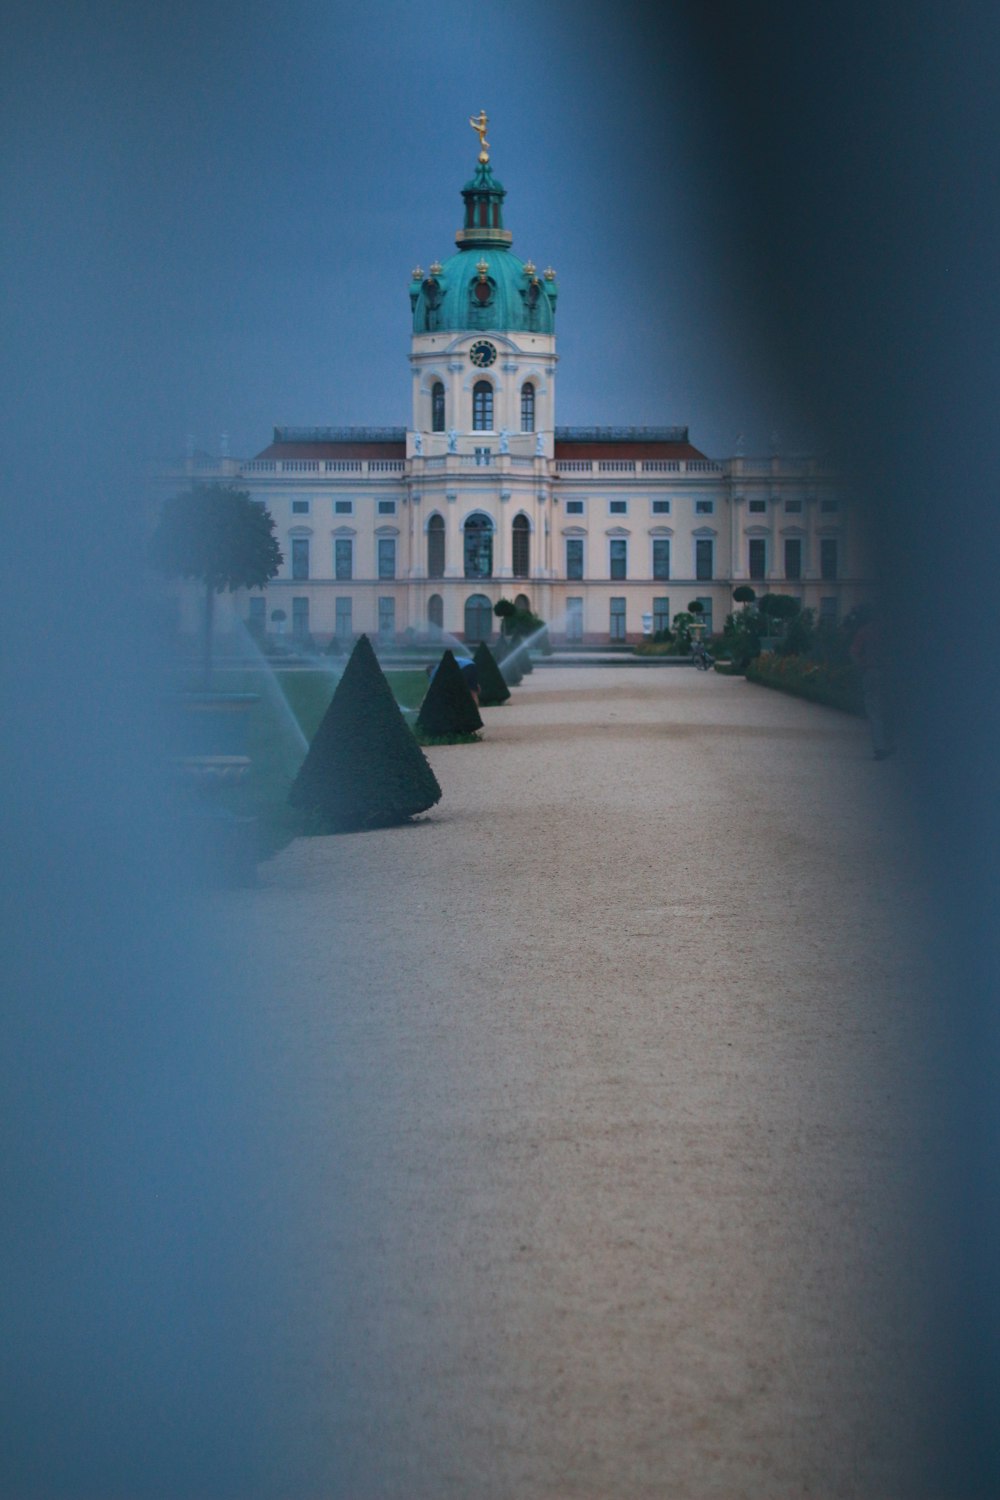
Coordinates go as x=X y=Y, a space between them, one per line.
x=436 y=268
x=549 y=274
x=479 y=126
x=482 y=266
x=417 y=274
x=529 y=268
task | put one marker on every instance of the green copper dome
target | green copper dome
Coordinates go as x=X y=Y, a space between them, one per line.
x=484 y=286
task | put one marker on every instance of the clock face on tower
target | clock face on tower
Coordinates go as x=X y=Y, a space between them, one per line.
x=482 y=353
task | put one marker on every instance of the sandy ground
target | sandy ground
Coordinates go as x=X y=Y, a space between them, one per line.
x=586 y=1103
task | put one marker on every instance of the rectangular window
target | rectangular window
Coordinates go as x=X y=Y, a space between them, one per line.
x=661 y=557
x=828 y=611
x=387 y=557
x=757 y=556
x=343 y=557
x=257 y=619
x=793 y=557
x=300 y=557
x=574 y=507
x=619 y=557
x=343 y=507
x=661 y=507
x=300 y=618
x=483 y=458
x=828 y=557
x=386 y=618
x=387 y=507
x=574 y=557
x=706 y=614
x=704 y=507
x=828 y=506
x=704 y=560
x=757 y=507
x=574 y=620
x=661 y=614
x=793 y=507
x=300 y=507
x=618 y=619
x=618 y=507
x=343 y=618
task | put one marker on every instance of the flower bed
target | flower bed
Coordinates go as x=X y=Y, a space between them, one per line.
x=837 y=687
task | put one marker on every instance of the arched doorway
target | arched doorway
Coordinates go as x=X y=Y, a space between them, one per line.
x=478 y=531
x=521 y=547
x=478 y=618
x=435 y=547
x=435 y=615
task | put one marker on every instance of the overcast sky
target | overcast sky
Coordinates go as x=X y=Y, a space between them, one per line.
x=254 y=184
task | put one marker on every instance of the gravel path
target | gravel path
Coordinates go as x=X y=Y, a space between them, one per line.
x=584 y=1109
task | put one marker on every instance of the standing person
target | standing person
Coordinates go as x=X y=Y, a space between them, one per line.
x=868 y=654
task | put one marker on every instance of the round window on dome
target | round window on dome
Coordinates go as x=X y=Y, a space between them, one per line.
x=482 y=291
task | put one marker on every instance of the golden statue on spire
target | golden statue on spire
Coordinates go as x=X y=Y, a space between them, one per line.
x=479 y=126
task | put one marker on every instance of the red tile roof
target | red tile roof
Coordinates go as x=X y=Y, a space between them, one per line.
x=334 y=450
x=627 y=450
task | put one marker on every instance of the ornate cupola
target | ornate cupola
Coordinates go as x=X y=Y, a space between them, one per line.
x=483 y=286
x=483 y=199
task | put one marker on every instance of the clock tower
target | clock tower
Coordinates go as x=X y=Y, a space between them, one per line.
x=483 y=359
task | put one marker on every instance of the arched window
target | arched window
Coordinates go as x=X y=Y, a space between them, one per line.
x=521 y=550
x=435 y=614
x=527 y=407
x=482 y=406
x=479 y=547
x=478 y=618
x=435 y=547
x=437 y=407
x=521 y=601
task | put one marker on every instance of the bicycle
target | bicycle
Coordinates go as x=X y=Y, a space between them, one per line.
x=701 y=657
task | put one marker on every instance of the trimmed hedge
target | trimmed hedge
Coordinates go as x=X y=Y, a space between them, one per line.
x=836 y=687
x=363 y=769
x=449 y=708
x=492 y=689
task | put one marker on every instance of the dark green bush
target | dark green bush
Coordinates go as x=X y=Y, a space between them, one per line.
x=363 y=769
x=837 y=687
x=449 y=708
x=492 y=688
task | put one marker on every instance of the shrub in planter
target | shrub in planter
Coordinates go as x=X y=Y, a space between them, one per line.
x=363 y=769
x=744 y=594
x=448 y=712
x=492 y=688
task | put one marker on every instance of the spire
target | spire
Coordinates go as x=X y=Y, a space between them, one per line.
x=484 y=197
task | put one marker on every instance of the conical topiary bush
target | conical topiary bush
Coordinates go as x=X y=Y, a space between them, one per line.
x=363 y=769
x=449 y=710
x=492 y=688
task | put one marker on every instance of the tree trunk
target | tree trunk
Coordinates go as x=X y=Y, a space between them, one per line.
x=206 y=645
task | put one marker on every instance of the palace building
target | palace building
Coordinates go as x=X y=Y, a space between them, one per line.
x=605 y=532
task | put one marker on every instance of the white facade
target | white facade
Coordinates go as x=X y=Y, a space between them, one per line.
x=605 y=532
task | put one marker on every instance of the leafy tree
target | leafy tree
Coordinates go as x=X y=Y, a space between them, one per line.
x=778 y=606
x=363 y=769
x=696 y=608
x=744 y=595
x=492 y=688
x=517 y=624
x=449 y=709
x=216 y=534
x=800 y=634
